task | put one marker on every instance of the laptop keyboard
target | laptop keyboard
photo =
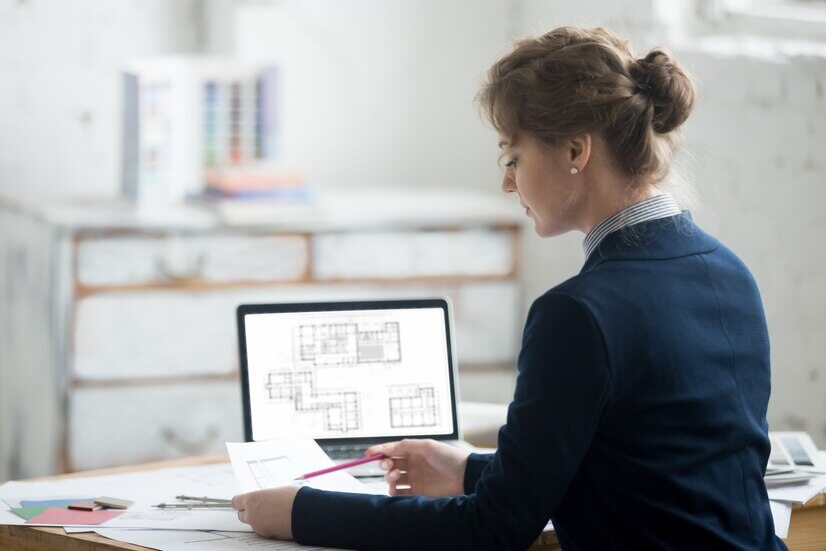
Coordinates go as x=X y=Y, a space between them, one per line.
x=345 y=452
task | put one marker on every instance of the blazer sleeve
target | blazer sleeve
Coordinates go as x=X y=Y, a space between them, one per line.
x=562 y=390
x=476 y=463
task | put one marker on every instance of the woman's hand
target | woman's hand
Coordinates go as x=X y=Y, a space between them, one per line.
x=423 y=467
x=269 y=512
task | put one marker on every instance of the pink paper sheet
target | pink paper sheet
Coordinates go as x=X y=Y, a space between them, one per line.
x=63 y=517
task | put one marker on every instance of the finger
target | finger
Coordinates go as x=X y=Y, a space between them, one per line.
x=377 y=449
x=401 y=488
x=392 y=476
x=400 y=447
x=238 y=503
x=391 y=483
x=400 y=463
x=402 y=483
x=242 y=516
x=386 y=464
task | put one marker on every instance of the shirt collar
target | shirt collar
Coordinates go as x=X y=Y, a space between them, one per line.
x=661 y=206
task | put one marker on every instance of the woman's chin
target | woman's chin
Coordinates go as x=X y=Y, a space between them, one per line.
x=543 y=230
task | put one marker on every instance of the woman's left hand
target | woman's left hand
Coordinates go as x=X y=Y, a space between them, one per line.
x=269 y=512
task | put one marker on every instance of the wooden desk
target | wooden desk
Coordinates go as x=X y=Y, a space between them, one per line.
x=807 y=531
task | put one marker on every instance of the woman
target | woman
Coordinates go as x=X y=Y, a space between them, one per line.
x=638 y=419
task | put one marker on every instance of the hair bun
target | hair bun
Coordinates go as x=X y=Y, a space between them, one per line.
x=667 y=85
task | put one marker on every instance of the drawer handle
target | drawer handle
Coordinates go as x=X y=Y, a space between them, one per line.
x=170 y=274
x=198 y=447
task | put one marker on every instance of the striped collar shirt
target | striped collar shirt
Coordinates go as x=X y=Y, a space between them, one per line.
x=661 y=206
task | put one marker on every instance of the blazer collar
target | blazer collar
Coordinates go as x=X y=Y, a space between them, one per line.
x=669 y=237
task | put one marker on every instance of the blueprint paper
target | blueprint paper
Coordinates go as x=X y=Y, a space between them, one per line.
x=277 y=462
x=190 y=540
x=143 y=515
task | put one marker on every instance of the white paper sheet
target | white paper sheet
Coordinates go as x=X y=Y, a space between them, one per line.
x=277 y=462
x=799 y=493
x=782 y=515
x=191 y=540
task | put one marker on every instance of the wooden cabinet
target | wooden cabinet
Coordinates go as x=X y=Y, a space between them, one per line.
x=117 y=332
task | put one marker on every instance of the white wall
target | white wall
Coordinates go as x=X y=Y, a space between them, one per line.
x=60 y=86
x=382 y=92
x=759 y=140
x=755 y=149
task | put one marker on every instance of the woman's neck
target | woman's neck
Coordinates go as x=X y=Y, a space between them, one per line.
x=610 y=196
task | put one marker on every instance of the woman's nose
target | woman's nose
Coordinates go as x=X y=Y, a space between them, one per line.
x=508 y=184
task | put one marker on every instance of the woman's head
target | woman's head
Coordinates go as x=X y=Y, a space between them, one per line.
x=580 y=99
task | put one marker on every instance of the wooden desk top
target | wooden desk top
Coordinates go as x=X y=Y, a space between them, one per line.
x=807 y=531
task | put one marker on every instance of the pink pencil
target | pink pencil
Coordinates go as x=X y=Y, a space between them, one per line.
x=346 y=465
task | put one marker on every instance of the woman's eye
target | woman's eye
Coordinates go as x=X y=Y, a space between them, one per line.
x=511 y=163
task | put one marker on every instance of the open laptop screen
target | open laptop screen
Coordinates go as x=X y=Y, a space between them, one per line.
x=343 y=372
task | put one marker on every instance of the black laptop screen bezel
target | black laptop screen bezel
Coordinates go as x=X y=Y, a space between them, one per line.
x=246 y=309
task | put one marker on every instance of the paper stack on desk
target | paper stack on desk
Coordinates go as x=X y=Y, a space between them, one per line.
x=783 y=498
x=145 y=489
x=258 y=465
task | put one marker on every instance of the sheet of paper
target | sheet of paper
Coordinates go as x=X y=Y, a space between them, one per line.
x=782 y=515
x=218 y=476
x=52 y=502
x=60 y=517
x=799 y=493
x=277 y=462
x=143 y=515
x=28 y=512
x=190 y=540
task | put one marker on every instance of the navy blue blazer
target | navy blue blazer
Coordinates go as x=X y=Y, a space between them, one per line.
x=638 y=420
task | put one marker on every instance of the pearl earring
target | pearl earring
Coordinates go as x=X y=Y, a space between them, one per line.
x=574 y=170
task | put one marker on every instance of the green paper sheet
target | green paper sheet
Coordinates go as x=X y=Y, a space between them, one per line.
x=28 y=512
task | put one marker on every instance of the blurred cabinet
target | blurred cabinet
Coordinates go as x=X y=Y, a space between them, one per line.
x=117 y=331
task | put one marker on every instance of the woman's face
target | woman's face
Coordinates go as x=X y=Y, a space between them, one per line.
x=541 y=176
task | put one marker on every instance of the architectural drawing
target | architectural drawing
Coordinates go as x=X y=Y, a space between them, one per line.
x=335 y=363
x=340 y=409
x=269 y=473
x=342 y=344
x=413 y=406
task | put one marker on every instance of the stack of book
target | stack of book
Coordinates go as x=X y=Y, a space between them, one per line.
x=255 y=194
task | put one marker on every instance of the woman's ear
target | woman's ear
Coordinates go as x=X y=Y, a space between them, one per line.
x=579 y=150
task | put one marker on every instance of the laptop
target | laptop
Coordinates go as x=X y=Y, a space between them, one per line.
x=349 y=374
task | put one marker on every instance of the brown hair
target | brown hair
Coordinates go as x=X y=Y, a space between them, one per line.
x=573 y=80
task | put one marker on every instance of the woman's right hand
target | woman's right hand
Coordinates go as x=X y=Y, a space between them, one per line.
x=422 y=467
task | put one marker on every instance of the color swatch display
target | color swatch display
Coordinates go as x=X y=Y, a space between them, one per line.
x=184 y=115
